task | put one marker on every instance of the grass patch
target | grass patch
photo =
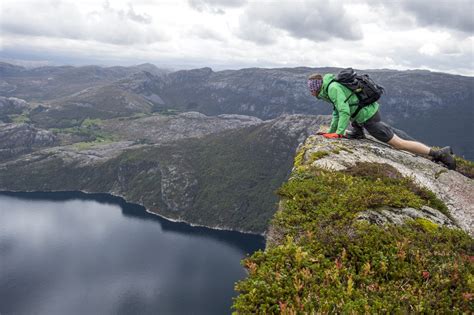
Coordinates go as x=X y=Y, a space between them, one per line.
x=299 y=163
x=135 y=116
x=169 y=112
x=20 y=119
x=89 y=131
x=464 y=167
x=317 y=155
x=299 y=157
x=332 y=263
x=387 y=174
x=396 y=269
x=89 y=123
x=80 y=146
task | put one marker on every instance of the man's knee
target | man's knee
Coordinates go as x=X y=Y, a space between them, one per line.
x=402 y=134
x=396 y=142
x=380 y=131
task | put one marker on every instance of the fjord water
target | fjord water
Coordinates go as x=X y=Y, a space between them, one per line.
x=72 y=253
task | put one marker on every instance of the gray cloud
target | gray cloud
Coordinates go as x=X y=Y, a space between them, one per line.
x=256 y=31
x=452 y=63
x=140 y=18
x=456 y=14
x=313 y=20
x=453 y=14
x=215 y=6
x=206 y=33
x=396 y=40
x=61 y=19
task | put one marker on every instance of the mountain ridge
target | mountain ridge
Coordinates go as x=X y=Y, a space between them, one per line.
x=416 y=101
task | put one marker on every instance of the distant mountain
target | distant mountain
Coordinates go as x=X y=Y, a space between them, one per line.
x=436 y=108
x=49 y=83
x=103 y=102
x=7 y=69
x=150 y=68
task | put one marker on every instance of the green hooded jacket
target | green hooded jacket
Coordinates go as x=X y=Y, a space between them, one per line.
x=337 y=94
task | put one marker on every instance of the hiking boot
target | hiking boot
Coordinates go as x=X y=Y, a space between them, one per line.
x=352 y=134
x=445 y=156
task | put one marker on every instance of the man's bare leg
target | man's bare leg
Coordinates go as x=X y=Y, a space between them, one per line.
x=443 y=155
x=410 y=146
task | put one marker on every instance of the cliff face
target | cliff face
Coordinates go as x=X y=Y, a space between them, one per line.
x=219 y=172
x=18 y=139
x=365 y=228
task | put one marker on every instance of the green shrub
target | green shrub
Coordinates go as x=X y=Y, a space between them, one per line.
x=465 y=167
x=299 y=157
x=332 y=263
x=20 y=119
x=89 y=131
x=91 y=123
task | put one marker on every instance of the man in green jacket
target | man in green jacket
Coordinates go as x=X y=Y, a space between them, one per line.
x=345 y=104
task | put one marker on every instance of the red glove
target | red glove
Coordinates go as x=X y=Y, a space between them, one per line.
x=332 y=135
x=320 y=133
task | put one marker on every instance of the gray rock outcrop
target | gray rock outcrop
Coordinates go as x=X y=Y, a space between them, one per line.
x=17 y=139
x=400 y=215
x=11 y=106
x=453 y=188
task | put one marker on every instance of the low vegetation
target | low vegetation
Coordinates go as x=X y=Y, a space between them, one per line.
x=81 y=146
x=327 y=261
x=19 y=119
x=465 y=167
x=89 y=131
x=168 y=112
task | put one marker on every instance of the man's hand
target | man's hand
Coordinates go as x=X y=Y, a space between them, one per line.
x=332 y=135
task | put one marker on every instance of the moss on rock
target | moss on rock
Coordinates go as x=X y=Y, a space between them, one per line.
x=317 y=155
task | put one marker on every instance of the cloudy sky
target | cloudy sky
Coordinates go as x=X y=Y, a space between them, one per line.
x=230 y=34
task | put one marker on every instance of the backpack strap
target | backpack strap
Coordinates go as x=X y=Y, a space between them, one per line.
x=357 y=111
x=327 y=86
x=347 y=98
x=335 y=80
x=327 y=92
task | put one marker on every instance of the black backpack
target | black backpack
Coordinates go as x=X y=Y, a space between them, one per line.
x=363 y=86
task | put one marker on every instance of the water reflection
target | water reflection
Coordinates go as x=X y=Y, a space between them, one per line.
x=232 y=238
x=72 y=253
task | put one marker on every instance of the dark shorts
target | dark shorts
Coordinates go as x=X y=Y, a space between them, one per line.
x=380 y=130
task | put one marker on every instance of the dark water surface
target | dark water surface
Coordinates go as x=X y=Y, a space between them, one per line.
x=72 y=253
